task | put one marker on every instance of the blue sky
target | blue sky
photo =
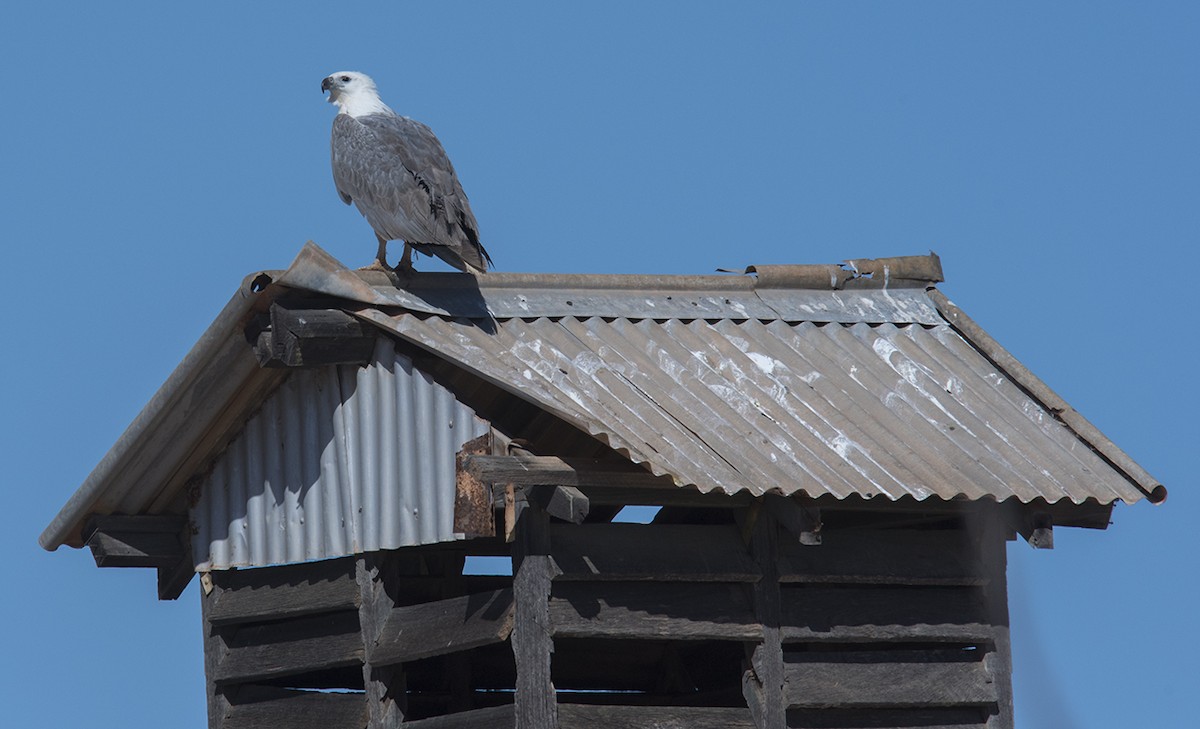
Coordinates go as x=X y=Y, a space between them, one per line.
x=155 y=153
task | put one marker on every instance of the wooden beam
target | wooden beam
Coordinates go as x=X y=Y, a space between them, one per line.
x=527 y=470
x=532 y=645
x=444 y=626
x=1038 y=529
x=660 y=552
x=653 y=610
x=270 y=707
x=561 y=502
x=136 y=541
x=306 y=334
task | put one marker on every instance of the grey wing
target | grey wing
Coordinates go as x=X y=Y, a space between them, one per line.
x=369 y=171
x=437 y=203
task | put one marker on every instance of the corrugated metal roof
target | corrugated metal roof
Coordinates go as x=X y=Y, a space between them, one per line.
x=859 y=379
x=747 y=405
x=339 y=461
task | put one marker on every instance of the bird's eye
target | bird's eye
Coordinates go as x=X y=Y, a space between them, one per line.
x=345 y=79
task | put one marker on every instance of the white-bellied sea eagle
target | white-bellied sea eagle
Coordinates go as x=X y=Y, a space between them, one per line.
x=396 y=173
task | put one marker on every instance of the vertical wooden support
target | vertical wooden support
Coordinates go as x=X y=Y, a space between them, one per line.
x=385 y=686
x=532 y=644
x=214 y=650
x=762 y=683
x=458 y=664
x=999 y=661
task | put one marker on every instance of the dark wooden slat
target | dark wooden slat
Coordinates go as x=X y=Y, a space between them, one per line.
x=445 y=626
x=829 y=683
x=283 y=592
x=660 y=552
x=878 y=556
x=268 y=707
x=493 y=717
x=532 y=645
x=135 y=548
x=271 y=650
x=647 y=610
x=601 y=716
x=818 y=612
x=959 y=717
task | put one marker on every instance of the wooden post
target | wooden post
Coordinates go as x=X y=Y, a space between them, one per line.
x=385 y=687
x=214 y=648
x=999 y=661
x=532 y=644
x=762 y=683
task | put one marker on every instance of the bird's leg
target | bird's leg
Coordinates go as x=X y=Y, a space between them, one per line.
x=381 y=254
x=406 y=265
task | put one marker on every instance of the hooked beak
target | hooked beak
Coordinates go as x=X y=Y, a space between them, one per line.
x=326 y=84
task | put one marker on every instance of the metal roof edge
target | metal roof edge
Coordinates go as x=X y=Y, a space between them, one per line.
x=65 y=527
x=1083 y=428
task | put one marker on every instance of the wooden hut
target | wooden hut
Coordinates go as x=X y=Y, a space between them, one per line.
x=399 y=497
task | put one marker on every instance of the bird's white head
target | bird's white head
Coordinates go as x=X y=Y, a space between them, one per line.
x=354 y=93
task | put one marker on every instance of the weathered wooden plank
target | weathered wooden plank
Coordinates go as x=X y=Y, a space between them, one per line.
x=528 y=470
x=270 y=650
x=604 y=716
x=445 y=626
x=833 y=684
x=943 y=717
x=647 y=610
x=880 y=556
x=268 y=707
x=305 y=334
x=283 y=592
x=493 y=717
x=561 y=502
x=660 y=552
x=533 y=571
x=861 y=613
